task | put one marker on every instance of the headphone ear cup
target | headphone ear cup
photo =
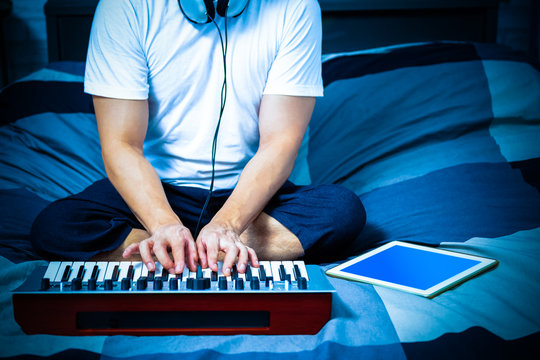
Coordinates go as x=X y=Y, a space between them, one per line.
x=231 y=8
x=198 y=11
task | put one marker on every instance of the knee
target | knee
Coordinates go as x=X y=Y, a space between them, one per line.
x=344 y=217
x=46 y=230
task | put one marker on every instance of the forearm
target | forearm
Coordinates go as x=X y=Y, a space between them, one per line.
x=262 y=177
x=139 y=185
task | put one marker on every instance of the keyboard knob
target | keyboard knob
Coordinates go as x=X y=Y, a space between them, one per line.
x=173 y=284
x=142 y=283
x=254 y=283
x=92 y=284
x=76 y=284
x=302 y=283
x=222 y=283
x=239 y=284
x=45 y=283
x=125 y=284
x=158 y=283
x=201 y=284
x=108 y=284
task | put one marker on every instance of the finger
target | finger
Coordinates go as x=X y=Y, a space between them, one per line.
x=252 y=257
x=146 y=255
x=190 y=250
x=162 y=255
x=212 y=250
x=130 y=250
x=230 y=256
x=201 y=250
x=177 y=250
x=242 y=257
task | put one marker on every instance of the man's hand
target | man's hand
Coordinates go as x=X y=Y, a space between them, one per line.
x=214 y=238
x=176 y=238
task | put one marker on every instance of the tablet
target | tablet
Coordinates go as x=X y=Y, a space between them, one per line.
x=417 y=269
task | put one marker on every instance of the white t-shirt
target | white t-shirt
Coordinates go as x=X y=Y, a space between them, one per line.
x=147 y=49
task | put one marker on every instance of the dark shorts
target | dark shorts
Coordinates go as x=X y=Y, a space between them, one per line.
x=324 y=218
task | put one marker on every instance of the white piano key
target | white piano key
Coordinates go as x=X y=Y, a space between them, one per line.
x=137 y=269
x=267 y=267
x=123 y=267
x=61 y=270
x=88 y=268
x=52 y=270
x=255 y=271
x=159 y=270
x=207 y=273
x=102 y=270
x=302 y=267
x=185 y=274
x=75 y=269
x=110 y=270
x=289 y=269
x=275 y=270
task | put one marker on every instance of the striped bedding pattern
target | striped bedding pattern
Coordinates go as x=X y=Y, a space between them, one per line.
x=441 y=141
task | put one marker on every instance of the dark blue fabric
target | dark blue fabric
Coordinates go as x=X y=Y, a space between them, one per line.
x=18 y=208
x=452 y=205
x=26 y=98
x=98 y=219
x=352 y=66
x=69 y=67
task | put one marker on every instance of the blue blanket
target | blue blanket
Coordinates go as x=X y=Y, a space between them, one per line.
x=440 y=140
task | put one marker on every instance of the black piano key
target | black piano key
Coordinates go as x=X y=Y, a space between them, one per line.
x=142 y=283
x=199 y=272
x=80 y=273
x=92 y=284
x=189 y=283
x=116 y=273
x=288 y=277
x=108 y=284
x=165 y=274
x=45 y=283
x=95 y=272
x=129 y=274
x=268 y=280
x=76 y=284
x=201 y=283
x=214 y=276
x=248 y=273
x=151 y=275
x=239 y=284
x=282 y=273
x=302 y=283
x=262 y=273
x=222 y=283
x=125 y=283
x=254 y=283
x=158 y=283
x=296 y=272
x=65 y=275
x=173 y=284
x=234 y=274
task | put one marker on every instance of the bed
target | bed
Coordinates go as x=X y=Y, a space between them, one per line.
x=441 y=141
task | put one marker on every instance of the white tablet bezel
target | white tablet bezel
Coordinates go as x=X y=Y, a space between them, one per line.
x=483 y=265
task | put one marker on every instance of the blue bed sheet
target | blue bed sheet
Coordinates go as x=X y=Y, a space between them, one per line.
x=441 y=141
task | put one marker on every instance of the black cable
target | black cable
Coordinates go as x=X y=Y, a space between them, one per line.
x=222 y=108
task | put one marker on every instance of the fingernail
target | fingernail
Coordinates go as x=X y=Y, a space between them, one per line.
x=227 y=271
x=241 y=268
x=149 y=266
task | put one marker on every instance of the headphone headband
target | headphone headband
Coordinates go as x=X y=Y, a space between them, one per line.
x=203 y=11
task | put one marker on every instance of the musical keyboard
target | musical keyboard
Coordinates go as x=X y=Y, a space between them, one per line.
x=112 y=298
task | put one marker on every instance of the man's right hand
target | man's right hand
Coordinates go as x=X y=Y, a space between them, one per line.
x=175 y=238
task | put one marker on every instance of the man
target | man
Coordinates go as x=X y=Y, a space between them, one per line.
x=158 y=84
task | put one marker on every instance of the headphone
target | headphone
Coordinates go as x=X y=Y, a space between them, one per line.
x=203 y=11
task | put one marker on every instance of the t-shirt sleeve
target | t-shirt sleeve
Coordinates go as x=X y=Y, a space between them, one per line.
x=296 y=70
x=116 y=64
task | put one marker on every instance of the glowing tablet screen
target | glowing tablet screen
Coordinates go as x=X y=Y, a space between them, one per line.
x=414 y=268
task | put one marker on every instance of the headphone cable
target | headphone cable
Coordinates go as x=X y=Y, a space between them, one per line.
x=222 y=108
